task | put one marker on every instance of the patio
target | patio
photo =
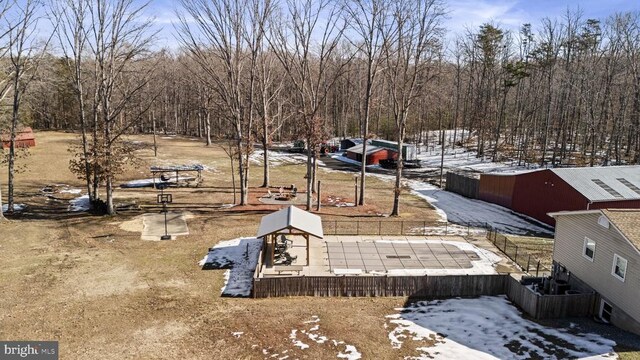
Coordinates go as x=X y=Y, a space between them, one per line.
x=385 y=255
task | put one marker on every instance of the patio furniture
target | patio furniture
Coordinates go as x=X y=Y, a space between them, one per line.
x=288 y=268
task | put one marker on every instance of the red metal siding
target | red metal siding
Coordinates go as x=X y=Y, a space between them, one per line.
x=616 y=204
x=19 y=144
x=383 y=154
x=540 y=192
x=497 y=189
x=374 y=158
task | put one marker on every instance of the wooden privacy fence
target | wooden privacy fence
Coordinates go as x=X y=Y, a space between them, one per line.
x=463 y=184
x=433 y=287
x=444 y=286
x=530 y=264
x=551 y=306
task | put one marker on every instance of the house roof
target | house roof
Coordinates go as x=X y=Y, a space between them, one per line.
x=370 y=149
x=627 y=221
x=291 y=218
x=354 y=140
x=603 y=183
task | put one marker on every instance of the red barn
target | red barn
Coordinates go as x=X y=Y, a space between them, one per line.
x=537 y=193
x=24 y=139
x=374 y=154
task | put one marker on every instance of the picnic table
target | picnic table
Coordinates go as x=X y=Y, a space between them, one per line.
x=177 y=169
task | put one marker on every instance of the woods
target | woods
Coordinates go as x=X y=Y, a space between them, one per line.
x=563 y=91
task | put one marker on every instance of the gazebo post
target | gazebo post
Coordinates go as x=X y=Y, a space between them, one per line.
x=306 y=236
x=273 y=246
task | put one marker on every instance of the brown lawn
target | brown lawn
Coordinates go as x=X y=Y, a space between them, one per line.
x=92 y=284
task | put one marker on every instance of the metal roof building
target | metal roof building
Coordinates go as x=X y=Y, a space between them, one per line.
x=374 y=153
x=603 y=183
x=537 y=193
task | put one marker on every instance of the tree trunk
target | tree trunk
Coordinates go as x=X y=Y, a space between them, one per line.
x=12 y=142
x=243 y=190
x=155 y=144
x=309 y=175
x=208 y=128
x=265 y=148
x=398 y=184
x=1 y=212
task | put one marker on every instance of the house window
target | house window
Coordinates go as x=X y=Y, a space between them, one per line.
x=589 y=249
x=619 y=268
x=605 y=311
x=603 y=221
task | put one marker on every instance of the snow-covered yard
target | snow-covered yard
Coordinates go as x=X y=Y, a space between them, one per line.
x=464 y=211
x=487 y=328
x=461 y=210
x=240 y=258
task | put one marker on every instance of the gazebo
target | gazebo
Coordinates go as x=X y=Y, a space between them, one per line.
x=289 y=221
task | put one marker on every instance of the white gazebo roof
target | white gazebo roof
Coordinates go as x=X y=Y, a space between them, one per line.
x=291 y=218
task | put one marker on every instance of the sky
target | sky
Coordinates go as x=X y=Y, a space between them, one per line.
x=509 y=14
x=462 y=14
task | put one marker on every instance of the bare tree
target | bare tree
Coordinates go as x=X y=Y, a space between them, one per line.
x=71 y=16
x=412 y=42
x=5 y=83
x=118 y=40
x=367 y=19
x=310 y=64
x=224 y=39
x=25 y=54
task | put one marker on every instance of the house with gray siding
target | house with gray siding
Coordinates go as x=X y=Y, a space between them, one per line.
x=600 y=249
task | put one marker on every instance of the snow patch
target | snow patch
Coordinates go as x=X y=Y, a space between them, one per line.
x=475 y=213
x=350 y=353
x=240 y=258
x=81 y=203
x=488 y=328
x=16 y=207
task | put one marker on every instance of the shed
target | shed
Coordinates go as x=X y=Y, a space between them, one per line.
x=25 y=138
x=374 y=154
x=349 y=143
x=539 y=192
x=408 y=150
x=291 y=221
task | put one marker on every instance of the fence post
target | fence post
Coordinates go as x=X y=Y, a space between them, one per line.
x=505 y=244
x=516 y=256
x=446 y=228
x=537 y=268
x=424 y=228
x=402 y=227
x=528 y=262
x=318 y=205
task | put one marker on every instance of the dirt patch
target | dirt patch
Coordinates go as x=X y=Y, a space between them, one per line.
x=133 y=225
x=104 y=283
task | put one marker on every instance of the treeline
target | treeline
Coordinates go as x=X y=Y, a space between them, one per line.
x=565 y=91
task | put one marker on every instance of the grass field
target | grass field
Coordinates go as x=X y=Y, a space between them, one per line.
x=540 y=248
x=92 y=284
